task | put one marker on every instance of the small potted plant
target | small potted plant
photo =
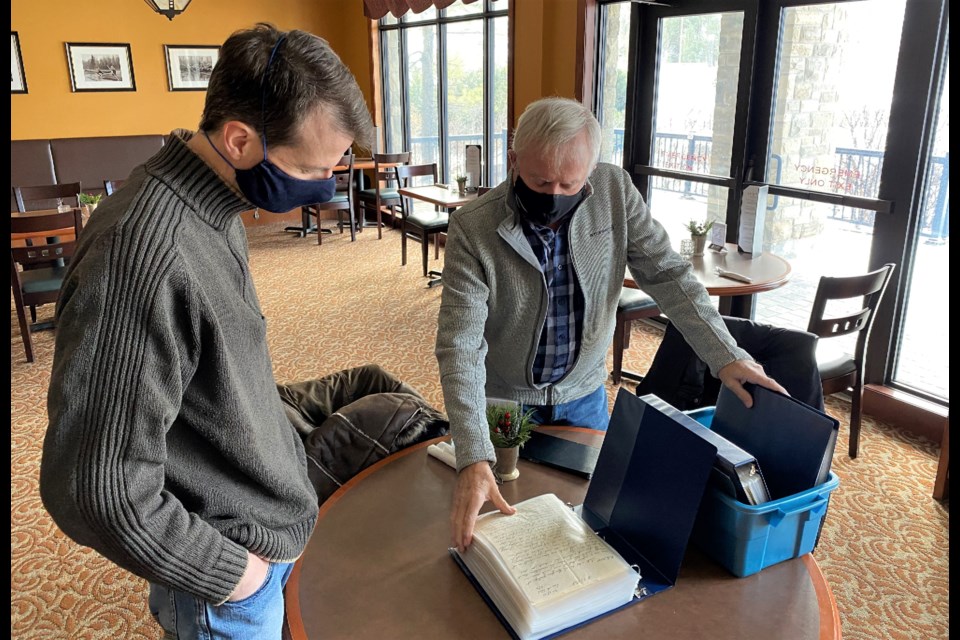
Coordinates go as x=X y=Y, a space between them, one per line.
x=461 y=183
x=89 y=201
x=698 y=233
x=510 y=428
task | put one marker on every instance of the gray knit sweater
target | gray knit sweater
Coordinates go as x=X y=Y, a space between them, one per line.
x=495 y=301
x=168 y=449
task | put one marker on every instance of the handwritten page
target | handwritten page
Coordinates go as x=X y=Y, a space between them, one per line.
x=548 y=549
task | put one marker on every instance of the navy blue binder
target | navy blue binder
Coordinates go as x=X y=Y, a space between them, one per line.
x=650 y=476
x=792 y=441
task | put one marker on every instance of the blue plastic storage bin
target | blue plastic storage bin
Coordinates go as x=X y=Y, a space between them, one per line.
x=747 y=538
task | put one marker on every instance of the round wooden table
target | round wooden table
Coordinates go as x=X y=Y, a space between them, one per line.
x=767 y=271
x=377 y=566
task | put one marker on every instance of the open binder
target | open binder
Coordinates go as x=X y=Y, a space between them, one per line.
x=650 y=476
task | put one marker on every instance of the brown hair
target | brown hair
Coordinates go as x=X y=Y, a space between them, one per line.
x=305 y=73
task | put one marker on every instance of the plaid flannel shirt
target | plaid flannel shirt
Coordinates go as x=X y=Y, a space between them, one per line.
x=563 y=327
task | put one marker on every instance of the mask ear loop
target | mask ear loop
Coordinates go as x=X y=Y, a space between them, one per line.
x=263 y=94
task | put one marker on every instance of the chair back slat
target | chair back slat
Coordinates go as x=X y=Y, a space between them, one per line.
x=386 y=173
x=46 y=222
x=43 y=253
x=405 y=172
x=32 y=198
x=869 y=286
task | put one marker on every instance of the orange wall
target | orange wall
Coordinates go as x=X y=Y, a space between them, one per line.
x=544 y=51
x=559 y=49
x=544 y=56
x=51 y=110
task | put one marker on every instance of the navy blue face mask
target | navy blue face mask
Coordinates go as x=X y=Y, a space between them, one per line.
x=269 y=187
x=544 y=208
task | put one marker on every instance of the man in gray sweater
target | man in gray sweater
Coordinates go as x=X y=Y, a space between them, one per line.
x=168 y=449
x=531 y=279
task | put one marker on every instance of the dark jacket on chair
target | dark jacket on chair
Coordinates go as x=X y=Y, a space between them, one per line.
x=788 y=356
x=354 y=418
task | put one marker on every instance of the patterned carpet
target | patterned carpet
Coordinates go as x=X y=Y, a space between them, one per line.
x=883 y=549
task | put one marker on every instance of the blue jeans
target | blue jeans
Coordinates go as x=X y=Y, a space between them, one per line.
x=589 y=411
x=260 y=615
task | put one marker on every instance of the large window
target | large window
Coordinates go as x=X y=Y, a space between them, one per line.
x=801 y=96
x=445 y=86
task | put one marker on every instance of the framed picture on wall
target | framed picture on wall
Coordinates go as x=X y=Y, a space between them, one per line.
x=100 y=67
x=189 y=66
x=18 y=81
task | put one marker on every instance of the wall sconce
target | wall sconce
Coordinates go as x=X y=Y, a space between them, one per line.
x=169 y=8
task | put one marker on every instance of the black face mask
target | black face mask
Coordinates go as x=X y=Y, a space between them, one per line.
x=544 y=208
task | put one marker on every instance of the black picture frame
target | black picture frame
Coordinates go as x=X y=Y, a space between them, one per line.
x=18 y=79
x=100 y=66
x=189 y=65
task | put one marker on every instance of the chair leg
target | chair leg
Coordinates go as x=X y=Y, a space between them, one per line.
x=436 y=246
x=425 y=246
x=353 y=225
x=379 y=221
x=24 y=326
x=33 y=313
x=319 y=231
x=855 y=419
x=618 y=347
x=305 y=221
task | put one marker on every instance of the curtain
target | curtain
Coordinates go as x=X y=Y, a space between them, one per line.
x=376 y=9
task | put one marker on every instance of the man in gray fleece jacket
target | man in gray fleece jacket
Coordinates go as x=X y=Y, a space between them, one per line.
x=531 y=279
x=169 y=450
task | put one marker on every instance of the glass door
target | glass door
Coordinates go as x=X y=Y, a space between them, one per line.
x=686 y=107
x=832 y=88
x=922 y=362
x=839 y=109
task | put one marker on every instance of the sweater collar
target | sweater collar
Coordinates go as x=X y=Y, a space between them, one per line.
x=195 y=182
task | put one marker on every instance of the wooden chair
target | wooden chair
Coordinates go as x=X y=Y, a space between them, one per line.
x=47 y=196
x=111 y=186
x=840 y=371
x=341 y=201
x=43 y=266
x=383 y=196
x=423 y=222
x=482 y=190
x=634 y=304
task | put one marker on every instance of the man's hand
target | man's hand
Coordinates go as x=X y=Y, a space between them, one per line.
x=475 y=485
x=737 y=372
x=253 y=578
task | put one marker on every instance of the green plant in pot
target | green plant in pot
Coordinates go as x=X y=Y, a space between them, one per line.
x=510 y=427
x=90 y=200
x=461 y=183
x=698 y=233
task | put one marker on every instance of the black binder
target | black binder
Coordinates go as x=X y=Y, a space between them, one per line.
x=643 y=499
x=575 y=457
x=735 y=471
x=792 y=441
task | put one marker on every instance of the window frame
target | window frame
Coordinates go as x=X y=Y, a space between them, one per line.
x=486 y=15
x=915 y=100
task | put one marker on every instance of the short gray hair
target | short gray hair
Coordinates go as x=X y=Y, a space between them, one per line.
x=548 y=124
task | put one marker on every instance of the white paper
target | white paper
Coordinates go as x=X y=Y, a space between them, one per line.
x=472 y=168
x=752 y=208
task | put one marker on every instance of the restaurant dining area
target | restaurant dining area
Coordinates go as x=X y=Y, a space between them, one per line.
x=765 y=178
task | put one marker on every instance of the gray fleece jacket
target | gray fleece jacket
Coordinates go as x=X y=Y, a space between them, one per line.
x=494 y=301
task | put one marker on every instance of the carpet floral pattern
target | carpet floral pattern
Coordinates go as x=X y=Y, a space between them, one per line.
x=883 y=549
